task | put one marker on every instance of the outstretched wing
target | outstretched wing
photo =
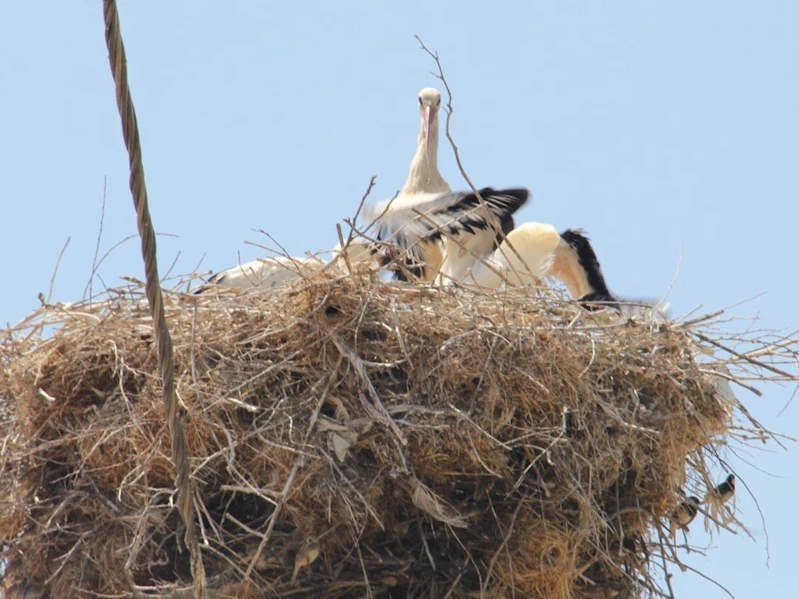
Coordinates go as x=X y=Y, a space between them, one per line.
x=407 y=220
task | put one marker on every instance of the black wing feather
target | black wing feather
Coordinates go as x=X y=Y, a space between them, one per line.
x=449 y=214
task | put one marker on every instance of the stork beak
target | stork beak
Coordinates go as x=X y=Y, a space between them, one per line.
x=429 y=115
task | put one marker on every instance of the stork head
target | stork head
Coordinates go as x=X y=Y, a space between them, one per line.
x=578 y=267
x=429 y=103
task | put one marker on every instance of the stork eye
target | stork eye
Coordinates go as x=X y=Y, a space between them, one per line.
x=420 y=100
x=439 y=102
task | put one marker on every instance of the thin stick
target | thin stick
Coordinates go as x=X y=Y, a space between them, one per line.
x=360 y=207
x=97 y=244
x=743 y=356
x=55 y=270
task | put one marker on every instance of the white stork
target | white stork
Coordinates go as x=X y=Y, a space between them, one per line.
x=264 y=272
x=416 y=219
x=278 y=270
x=534 y=251
x=423 y=179
x=426 y=202
x=423 y=176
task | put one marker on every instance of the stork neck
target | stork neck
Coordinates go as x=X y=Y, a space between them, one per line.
x=424 y=176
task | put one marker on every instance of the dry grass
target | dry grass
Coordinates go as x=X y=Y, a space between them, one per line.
x=421 y=443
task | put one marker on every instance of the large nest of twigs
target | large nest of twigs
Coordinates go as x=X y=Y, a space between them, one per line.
x=352 y=437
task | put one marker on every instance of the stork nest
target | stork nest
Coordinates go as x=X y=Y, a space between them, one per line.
x=419 y=443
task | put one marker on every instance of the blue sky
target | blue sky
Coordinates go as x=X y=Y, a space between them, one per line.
x=669 y=131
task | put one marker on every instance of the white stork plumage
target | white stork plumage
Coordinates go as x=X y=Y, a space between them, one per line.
x=423 y=176
x=265 y=272
x=423 y=180
x=522 y=259
x=426 y=206
x=541 y=252
x=279 y=270
x=577 y=266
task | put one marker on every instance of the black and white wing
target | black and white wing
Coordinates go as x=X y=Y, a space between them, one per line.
x=408 y=219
